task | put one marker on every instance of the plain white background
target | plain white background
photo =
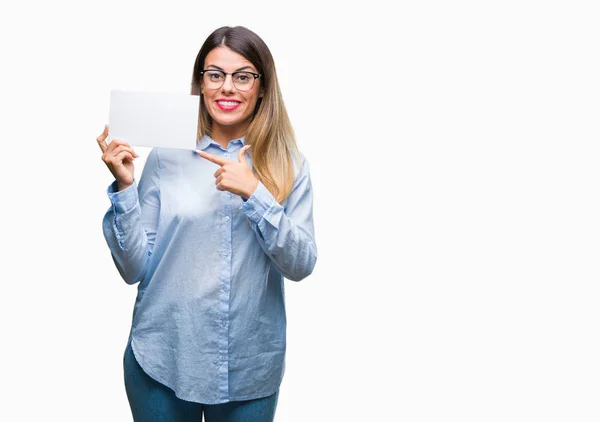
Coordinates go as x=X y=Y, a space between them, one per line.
x=454 y=154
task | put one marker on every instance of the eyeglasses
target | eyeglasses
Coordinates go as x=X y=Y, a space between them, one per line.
x=243 y=81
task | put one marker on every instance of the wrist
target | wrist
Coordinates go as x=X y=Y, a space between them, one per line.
x=123 y=186
x=251 y=190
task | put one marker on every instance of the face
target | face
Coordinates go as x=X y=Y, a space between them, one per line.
x=231 y=109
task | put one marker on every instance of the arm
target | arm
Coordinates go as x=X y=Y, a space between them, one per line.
x=286 y=235
x=130 y=223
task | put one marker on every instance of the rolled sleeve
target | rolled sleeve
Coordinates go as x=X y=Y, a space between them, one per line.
x=125 y=200
x=285 y=232
x=259 y=204
x=130 y=224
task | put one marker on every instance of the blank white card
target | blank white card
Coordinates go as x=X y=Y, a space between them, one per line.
x=154 y=119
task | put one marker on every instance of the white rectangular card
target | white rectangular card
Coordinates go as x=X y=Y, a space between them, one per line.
x=154 y=119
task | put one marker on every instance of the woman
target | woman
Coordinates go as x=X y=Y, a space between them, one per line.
x=210 y=235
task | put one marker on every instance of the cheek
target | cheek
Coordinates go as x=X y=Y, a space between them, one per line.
x=252 y=103
x=256 y=104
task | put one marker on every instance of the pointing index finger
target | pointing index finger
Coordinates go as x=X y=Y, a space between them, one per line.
x=214 y=158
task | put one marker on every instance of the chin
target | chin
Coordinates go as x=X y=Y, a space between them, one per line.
x=230 y=119
x=228 y=122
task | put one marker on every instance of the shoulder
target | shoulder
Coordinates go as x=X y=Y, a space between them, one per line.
x=301 y=166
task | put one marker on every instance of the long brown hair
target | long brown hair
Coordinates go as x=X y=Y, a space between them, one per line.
x=270 y=133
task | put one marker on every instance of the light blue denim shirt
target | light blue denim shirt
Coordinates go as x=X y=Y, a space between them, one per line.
x=209 y=318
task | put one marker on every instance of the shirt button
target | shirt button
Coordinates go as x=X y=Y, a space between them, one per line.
x=226 y=218
x=226 y=155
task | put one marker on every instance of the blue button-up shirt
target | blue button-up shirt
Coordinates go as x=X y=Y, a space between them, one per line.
x=209 y=318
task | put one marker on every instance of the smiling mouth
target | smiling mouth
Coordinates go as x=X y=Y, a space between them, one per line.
x=228 y=105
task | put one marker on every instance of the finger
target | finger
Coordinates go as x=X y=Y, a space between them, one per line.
x=102 y=139
x=116 y=143
x=121 y=157
x=215 y=159
x=121 y=148
x=218 y=180
x=219 y=171
x=242 y=154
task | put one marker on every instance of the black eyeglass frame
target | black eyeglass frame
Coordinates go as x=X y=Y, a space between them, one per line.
x=256 y=76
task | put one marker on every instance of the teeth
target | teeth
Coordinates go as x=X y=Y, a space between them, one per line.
x=228 y=103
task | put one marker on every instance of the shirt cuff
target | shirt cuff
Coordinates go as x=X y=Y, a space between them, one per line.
x=124 y=200
x=258 y=205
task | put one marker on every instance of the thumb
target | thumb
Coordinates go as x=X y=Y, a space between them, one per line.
x=242 y=154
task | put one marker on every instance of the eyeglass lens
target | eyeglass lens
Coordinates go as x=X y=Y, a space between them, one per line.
x=214 y=79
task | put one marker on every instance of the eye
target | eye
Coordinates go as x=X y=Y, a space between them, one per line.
x=215 y=76
x=243 y=77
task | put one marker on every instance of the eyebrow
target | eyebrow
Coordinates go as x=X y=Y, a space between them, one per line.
x=237 y=70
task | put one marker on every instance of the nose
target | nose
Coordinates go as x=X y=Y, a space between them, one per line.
x=228 y=84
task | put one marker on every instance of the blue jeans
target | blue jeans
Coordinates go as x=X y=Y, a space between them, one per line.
x=151 y=401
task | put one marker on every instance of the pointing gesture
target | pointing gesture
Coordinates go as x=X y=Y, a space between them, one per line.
x=232 y=176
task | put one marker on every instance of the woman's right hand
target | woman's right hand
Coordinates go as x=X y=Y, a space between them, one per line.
x=118 y=157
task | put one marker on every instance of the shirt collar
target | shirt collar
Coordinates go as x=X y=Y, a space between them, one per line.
x=206 y=140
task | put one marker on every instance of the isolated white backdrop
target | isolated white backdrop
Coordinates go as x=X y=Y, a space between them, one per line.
x=454 y=155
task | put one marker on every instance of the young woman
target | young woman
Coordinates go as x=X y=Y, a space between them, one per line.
x=210 y=235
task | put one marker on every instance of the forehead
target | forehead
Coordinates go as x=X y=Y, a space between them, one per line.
x=226 y=59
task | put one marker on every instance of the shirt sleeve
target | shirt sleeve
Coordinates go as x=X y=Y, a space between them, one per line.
x=130 y=223
x=286 y=234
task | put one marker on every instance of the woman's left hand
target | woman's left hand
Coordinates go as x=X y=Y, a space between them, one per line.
x=234 y=177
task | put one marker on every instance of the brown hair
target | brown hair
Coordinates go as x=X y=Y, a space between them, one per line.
x=270 y=133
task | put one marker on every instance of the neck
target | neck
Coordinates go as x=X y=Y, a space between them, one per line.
x=224 y=134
